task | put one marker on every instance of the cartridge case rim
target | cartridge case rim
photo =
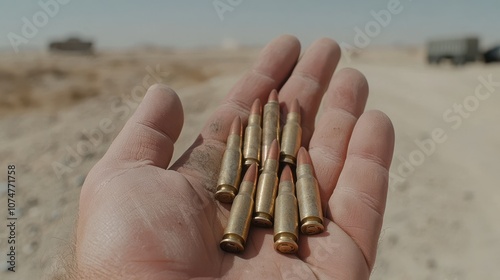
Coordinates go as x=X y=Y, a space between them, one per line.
x=312 y=225
x=262 y=219
x=288 y=159
x=232 y=243
x=285 y=243
x=250 y=161
x=225 y=193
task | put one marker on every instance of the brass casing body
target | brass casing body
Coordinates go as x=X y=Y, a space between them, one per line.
x=230 y=170
x=252 y=142
x=308 y=197
x=286 y=220
x=267 y=188
x=238 y=225
x=270 y=127
x=291 y=138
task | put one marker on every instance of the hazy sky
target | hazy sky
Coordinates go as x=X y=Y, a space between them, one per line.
x=191 y=23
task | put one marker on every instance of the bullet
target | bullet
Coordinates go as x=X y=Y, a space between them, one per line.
x=253 y=135
x=270 y=124
x=230 y=170
x=267 y=189
x=308 y=197
x=236 y=232
x=292 y=135
x=286 y=220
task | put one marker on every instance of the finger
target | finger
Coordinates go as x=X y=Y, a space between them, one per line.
x=308 y=83
x=273 y=66
x=149 y=135
x=344 y=102
x=358 y=202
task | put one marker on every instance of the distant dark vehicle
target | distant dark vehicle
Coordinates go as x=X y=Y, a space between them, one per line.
x=492 y=55
x=73 y=45
x=459 y=51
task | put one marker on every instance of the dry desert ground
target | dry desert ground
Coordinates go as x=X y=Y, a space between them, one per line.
x=443 y=197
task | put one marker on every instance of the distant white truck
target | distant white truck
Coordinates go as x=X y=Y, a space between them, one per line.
x=458 y=51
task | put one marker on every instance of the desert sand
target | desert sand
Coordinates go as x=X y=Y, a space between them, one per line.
x=443 y=197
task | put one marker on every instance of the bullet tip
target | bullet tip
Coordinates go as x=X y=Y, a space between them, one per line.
x=295 y=108
x=251 y=174
x=273 y=97
x=274 y=151
x=236 y=126
x=286 y=174
x=256 y=108
x=303 y=157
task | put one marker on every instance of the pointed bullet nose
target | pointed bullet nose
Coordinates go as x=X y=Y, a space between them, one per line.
x=251 y=174
x=286 y=175
x=236 y=126
x=274 y=151
x=303 y=157
x=273 y=97
x=256 y=108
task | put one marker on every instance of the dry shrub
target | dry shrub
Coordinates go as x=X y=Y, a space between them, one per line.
x=77 y=93
x=46 y=87
x=182 y=74
x=7 y=76
x=40 y=73
x=14 y=92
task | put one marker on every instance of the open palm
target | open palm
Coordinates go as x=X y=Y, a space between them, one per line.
x=138 y=219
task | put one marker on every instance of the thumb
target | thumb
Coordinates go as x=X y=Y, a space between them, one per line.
x=149 y=135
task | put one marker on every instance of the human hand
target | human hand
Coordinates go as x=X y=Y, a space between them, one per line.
x=138 y=219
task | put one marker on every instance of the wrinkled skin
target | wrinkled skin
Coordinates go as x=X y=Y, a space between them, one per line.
x=140 y=220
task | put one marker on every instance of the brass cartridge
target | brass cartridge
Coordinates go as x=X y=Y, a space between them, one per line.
x=286 y=219
x=267 y=188
x=253 y=135
x=292 y=135
x=270 y=124
x=230 y=170
x=308 y=197
x=238 y=224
